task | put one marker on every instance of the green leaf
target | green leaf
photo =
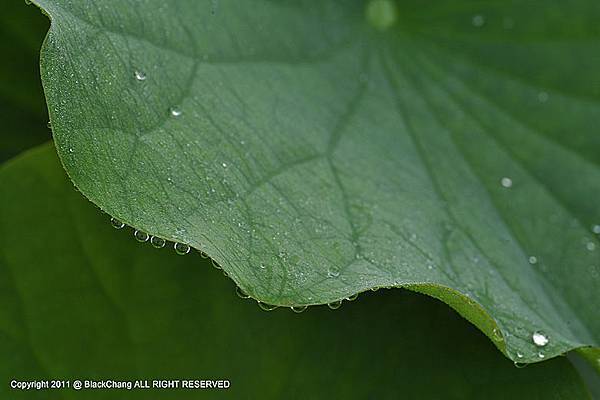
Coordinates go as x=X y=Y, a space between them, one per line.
x=83 y=301
x=319 y=149
x=22 y=108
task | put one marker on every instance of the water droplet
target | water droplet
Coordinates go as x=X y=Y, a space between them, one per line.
x=539 y=339
x=140 y=75
x=519 y=354
x=520 y=364
x=262 y=266
x=181 y=248
x=533 y=260
x=542 y=97
x=353 y=297
x=541 y=355
x=478 y=21
x=591 y=246
x=203 y=254
x=374 y=289
x=497 y=335
x=266 y=307
x=116 y=223
x=214 y=264
x=175 y=111
x=224 y=165
x=157 y=242
x=333 y=272
x=506 y=182
x=140 y=236
x=334 y=305
x=28 y=2
x=241 y=294
x=596 y=229
x=49 y=125
x=299 y=309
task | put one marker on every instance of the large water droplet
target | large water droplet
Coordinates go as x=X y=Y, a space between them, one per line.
x=266 y=307
x=299 y=309
x=140 y=75
x=334 y=305
x=181 y=248
x=116 y=223
x=140 y=236
x=539 y=339
x=506 y=182
x=241 y=294
x=157 y=242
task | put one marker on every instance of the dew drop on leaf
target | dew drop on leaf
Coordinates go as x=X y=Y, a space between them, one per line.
x=140 y=236
x=333 y=272
x=596 y=229
x=539 y=339
x=241 y=294
x=591 y=246
x=266 y=307
x=181 y=248
x=506 y=182
x=334 y=305
x=533 y=260
x=215 y=264
x=157 y=242
x=140 y=75
x=299 y=309
x=175 y=111
x=353 y=297
x=203 y=254
x=541 y=355
x=116 y=223
x=497 y=335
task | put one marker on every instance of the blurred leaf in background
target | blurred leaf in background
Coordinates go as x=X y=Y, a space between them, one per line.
x=22 y=106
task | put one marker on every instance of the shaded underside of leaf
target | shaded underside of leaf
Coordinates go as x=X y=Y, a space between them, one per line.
x=83 y=301
x=314 y=156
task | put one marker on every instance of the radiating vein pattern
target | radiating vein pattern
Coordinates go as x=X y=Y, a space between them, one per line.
x=314 y=157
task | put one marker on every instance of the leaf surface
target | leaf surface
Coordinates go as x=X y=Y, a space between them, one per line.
x=83 y=301
x=317 y=150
